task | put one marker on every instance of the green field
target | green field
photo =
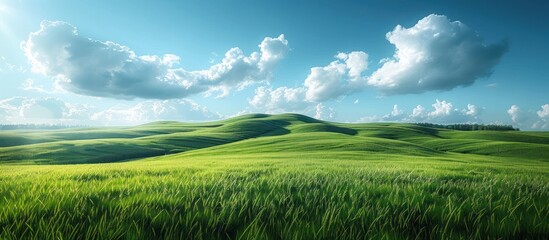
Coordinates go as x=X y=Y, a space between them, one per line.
x=282 y=176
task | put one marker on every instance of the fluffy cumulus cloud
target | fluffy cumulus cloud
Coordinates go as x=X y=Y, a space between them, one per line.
x=281 y=99
x=515 y=113
x=323 y=112
x=530 y=118
x=472 y=110
x=419 y=112
x=441 y=108
x=441 y=112
x=544 y=112
x=445 y=112
x=340 y=77
x=435 y=54
x=286 y=99
x=395 y=115
x=543 y=115
x=107 y=69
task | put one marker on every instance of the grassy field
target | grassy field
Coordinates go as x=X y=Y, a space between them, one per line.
x=273 y=177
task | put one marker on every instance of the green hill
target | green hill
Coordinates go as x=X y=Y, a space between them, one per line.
x=283 y=176
x=262 y=132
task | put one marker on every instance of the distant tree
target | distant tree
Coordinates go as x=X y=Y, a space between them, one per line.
x=471 y=127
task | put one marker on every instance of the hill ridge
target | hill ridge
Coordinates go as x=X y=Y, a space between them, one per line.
x=260 y=133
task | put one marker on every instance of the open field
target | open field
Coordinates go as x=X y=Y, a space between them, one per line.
x=274 y=177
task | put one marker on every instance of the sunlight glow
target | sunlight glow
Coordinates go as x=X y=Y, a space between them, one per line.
x=4 y=10
x=5 y=30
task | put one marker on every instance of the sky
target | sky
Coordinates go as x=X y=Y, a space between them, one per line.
x=132 y=62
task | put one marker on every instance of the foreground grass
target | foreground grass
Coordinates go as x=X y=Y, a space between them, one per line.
x=285 y=195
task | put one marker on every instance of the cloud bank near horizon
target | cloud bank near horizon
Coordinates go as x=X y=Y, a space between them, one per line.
x=442 y=111
x=49 y=110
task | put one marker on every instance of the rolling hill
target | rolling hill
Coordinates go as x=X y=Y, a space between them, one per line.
x=284 y=176
x=260 y=133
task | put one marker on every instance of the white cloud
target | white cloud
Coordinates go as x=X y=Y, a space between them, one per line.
x=272 y=51
x=544 y=112
x=30 y=85
x=441 y=109
x=10 y=106
x=515 y=113
x=46 y=108
x=435 y=54
x=338 y=78
x=442 y=112
x=355 y=62
x=326 y=82
x=323 y=112
x=472 y=110
x=396 y=111
x=396 y=114
x=419 y=112
x=21 y=110
x=281 y=99
x=284 y=99
x=154 y=110
x=530 y=118
x=108 y=69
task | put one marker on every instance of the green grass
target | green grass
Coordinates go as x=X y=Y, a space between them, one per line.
x=275 y=177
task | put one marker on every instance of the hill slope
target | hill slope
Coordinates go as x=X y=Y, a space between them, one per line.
x=261 y=133
x=273 y=177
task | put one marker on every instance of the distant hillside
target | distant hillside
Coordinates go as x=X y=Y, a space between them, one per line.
x=262 y=133
x=37 y=126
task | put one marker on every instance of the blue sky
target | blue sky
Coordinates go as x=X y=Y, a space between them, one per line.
x=131 y=62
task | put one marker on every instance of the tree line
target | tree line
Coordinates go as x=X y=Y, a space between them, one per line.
x=471 y=127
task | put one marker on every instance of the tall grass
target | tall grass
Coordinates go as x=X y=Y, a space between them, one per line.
x=255 y=196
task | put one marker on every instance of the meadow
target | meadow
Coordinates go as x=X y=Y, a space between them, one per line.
x=274 y=177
